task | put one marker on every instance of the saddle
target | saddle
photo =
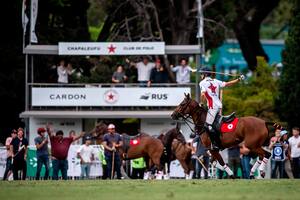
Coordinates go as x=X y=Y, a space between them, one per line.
x=129 y=141
x=222 y=121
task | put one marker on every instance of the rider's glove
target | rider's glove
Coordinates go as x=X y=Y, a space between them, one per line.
x=242 y=77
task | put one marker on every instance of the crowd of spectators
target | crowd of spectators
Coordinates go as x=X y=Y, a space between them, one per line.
x=285 y=162
x=145 y=72
x=17 y=146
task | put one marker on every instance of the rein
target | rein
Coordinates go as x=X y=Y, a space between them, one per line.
x=189 y=120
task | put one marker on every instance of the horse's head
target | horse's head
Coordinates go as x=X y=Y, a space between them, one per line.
x=99 y=131
x=100 y=128
x=185 y=108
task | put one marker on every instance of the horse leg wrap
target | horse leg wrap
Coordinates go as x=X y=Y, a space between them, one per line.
x=255 y=166
x=262 y=167
x=146 y=175
x=187 y=176
x=217 y=165
x=191 y=174
x=159 y=175
x=228 y=170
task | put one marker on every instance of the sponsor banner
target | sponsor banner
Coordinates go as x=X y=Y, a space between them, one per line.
x=108 y=96
x=111 y=48
x=74 y=168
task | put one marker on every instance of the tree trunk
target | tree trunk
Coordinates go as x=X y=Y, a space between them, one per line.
x=247 y=26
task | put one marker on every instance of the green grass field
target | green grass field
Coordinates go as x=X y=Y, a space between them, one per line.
x=152 y=190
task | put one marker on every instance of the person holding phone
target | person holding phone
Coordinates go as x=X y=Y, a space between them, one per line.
x=42 y=153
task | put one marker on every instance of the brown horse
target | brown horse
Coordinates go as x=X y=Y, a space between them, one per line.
x=183 y=153
x=155 y=151
x=176 y=148
x=253 y=131
x=142 y=145
x=98 y=132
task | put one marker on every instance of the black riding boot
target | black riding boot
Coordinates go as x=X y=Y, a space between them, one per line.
x=214 y=137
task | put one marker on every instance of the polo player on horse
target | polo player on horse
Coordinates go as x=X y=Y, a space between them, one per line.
x=210 y=92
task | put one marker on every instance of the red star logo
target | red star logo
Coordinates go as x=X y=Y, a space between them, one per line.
x=212 y=88
x=111 y=96
x=111 y=49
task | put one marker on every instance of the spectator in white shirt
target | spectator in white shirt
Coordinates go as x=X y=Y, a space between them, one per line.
x=182 y=72
x=86 y=154
x=294 y=148
x=144 y=69
x=63 y=72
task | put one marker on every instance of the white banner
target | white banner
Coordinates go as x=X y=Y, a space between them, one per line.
x=111 y=48
x=33 y=16
x=60 y=96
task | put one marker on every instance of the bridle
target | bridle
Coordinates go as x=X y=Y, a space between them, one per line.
x=187 y=118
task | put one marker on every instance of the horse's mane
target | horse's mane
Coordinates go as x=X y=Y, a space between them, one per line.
x=198 y=107
x=171 y=135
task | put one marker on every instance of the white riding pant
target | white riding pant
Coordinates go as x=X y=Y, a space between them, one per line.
x=211 y=115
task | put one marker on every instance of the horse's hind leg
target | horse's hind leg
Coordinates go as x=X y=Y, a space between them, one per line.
x=261 y=163
x=222 y=166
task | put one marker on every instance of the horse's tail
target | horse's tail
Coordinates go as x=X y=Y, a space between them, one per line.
x=276 y=126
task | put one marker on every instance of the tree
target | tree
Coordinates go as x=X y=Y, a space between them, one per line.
x=289 y=87
x=256 y=97
x=175 y=22
x=250 y=15
x=12 y=84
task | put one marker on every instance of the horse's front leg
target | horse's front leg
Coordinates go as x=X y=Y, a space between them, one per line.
x=221 y=164
x=186 y=168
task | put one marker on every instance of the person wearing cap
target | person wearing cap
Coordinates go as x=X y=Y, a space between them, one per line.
x=111 y=142
x=59 y=151
x=144 y=69
x=86 y=154
x=42 y=153
x=138 y=168
x=18 y=147
x=183 y=72
x=8 y=167
x=210 y=92
x=278 y=156
x=158 y=74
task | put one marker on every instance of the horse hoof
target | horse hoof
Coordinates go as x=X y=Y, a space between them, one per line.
x=251 y=177
x=262 y=174
x=232 y=177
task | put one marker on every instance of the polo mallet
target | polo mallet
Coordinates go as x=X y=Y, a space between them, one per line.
x=202 y=164
x=113 y=164
x=221 y=73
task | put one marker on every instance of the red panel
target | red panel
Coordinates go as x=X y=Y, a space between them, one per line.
x=229 y=127
x=134 y=142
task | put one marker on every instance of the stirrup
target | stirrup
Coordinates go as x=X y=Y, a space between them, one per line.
x=214 y=146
